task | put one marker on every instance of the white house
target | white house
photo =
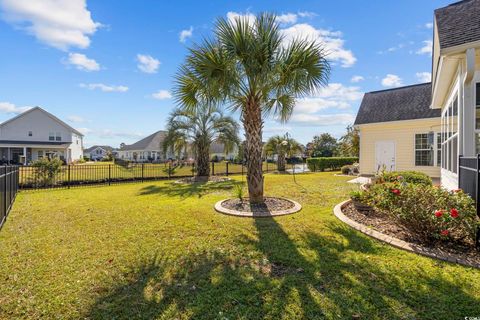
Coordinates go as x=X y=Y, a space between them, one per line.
x=35 y=134
x=96 y=153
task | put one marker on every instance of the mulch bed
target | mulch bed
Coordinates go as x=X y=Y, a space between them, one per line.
x=203 y=179
x=270 y=204
x=385 y=224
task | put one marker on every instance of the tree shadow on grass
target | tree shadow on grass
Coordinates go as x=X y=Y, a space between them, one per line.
x=197 y=189
x=332 y=275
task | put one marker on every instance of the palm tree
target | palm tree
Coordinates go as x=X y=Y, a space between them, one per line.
x=282 y=147
x=201 y=127
x=251 y=67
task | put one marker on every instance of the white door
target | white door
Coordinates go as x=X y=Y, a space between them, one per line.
x=385 y=155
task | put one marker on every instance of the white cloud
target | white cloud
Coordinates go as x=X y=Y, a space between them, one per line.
x=57 y=23
x=147 y=63
x=307 y=14
x=356 y=79
x=334 y=44
x=429 y=25
x=104 y=87
x=392 y=80
x=232 y=16
x=423 y=76
x=85 y=131
x=310 y=120
x=107 y=133
x=334 y=96
x=82 y=62
x=185 y=34
x=287 y=18
x=7 y=107
x=162 y=95
x=427 y=48
x=76 y=119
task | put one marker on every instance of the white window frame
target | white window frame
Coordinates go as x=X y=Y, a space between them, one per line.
x=434 y=150
x=447 y=127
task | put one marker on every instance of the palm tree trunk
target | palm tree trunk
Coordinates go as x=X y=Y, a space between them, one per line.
x=202 y=163
x=252 y=123
x=281 y=162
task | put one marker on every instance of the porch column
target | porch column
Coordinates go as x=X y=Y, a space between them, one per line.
x=24 y=156
x=469 y=116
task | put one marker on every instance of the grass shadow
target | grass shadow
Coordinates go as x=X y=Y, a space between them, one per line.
x=338 y=274
x=184 y=190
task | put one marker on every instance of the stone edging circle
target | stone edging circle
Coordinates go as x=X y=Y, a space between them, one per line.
x=219 y=208
x=407 y=246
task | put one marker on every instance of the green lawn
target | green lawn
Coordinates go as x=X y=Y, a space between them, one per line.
x=155 y=250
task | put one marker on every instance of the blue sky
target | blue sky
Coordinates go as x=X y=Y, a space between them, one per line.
x=106 y=66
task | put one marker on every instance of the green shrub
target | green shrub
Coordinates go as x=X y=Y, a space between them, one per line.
x=332 y=163
x=346 y=169
x=238 y=191
x=46 y=170
x=407 y=176
x=433 y=213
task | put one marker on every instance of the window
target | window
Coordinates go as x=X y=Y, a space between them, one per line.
x=51 y=136
x=30 y=133
x=450 y=136
x=58 y=136
x=40 y=154
x=424 y=149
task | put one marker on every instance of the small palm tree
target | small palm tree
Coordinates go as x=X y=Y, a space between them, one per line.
x=250 y=67
x=282 y=147
x=200 y=127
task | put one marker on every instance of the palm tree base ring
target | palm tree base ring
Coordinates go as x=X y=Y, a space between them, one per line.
x=259 y=212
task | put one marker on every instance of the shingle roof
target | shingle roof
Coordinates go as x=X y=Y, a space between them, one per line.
x=153 y=142
x=458 y=23
x=106 y=148
x=405 y=103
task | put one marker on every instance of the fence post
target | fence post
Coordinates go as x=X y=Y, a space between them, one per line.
x=226 y=169
x=68 y=176
x=5 y=207
x=169 y=170
x=213 y=168
x=477 y=202
x=143 y=177
x=193 y=169
x=109 y=174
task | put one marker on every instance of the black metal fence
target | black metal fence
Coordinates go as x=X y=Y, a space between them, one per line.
x=468 y=181
x=89 y=174
x=9 y=178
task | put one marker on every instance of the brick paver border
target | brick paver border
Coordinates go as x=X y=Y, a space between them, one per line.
x=407 y=246
x=265 y=214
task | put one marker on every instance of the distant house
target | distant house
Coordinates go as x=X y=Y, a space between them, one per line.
x=146 y=150
x=399 y=131
x=217 y=151
x=96 y=153
x=36 y=134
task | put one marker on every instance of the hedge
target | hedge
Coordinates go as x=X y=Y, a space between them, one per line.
x=332 y=163
x=407 y=176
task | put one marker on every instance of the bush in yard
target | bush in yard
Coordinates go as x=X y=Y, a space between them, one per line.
x=46 y=170
x=332 y=163
x=433 y=213
x=407 y=176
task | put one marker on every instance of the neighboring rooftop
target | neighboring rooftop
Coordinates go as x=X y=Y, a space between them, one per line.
x=106 y=148
x=405 y=103
x=152 y=142
x=458 y=23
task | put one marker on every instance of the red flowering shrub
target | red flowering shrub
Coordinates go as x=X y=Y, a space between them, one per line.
x=432 y=213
